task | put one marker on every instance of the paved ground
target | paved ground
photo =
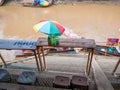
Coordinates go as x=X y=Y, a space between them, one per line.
x=107 y=63
x=62 y=64
x=74 y=64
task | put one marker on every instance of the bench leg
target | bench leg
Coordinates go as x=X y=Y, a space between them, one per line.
x=116 y=66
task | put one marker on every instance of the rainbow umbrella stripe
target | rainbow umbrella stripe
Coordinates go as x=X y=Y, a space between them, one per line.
x=49 y=28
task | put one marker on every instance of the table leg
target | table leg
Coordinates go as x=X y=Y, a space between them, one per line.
x=42 y=49
x=36 y=60
x=3 y=60
x=87 y=62
x=40 y=60
x=90 y=56
x=106 y=50
x=90 y=61
x=116 y=66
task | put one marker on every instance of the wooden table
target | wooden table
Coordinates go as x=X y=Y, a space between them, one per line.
x=67 y=42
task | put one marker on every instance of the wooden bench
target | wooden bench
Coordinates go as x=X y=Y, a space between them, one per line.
x=67 y=42
x=11 y=44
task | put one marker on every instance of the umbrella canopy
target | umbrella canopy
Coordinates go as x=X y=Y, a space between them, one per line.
x=49 y=27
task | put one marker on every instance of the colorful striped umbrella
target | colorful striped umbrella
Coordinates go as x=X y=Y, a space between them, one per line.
x=49 y=27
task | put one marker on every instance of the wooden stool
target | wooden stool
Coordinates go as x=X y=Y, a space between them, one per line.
x=61 y=82
x=79 y=82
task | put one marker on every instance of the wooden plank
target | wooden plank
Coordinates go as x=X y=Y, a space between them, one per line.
x=101 y=80
x=68 y=42
x=17 y=44
x=11 y=86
